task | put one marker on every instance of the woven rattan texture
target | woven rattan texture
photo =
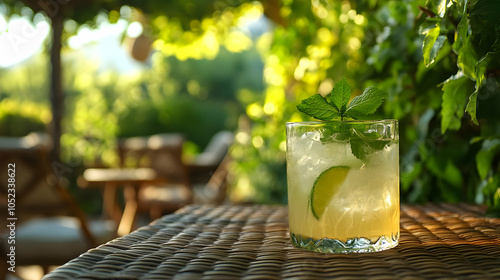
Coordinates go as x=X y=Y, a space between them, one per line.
x=252 y=242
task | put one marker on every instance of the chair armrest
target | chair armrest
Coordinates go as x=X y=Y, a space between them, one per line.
x=118 y=176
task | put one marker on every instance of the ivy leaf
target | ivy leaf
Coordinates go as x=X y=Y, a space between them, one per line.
x=317 y=107
x=340 y=95
x=481 y=66
x=433 y=42
x=479 y=70
x=462 y=27
x=442 y=6
x=366 y=103
x=467 y=59
x=485 y=156
x=463 y=45
x=472 y=107
x=436 y=48
x=455 y=92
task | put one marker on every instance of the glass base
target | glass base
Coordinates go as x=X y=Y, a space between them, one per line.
x=356 y=245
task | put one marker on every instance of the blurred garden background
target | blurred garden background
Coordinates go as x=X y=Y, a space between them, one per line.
x=136 y=68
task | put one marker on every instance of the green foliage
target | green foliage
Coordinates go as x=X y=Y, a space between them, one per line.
x=23 y=106
x=159 y=101
x=303 y=52
x=84 y=12
x=476 y=35
x=218 y=79
x=26 y=82
x=484 y=157
x=437 y=59
x=459 y=54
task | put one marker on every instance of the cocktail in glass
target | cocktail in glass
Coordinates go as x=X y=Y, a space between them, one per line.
x=343 y=185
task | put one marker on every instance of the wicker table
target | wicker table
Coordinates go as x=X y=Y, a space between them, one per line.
x=252 y=242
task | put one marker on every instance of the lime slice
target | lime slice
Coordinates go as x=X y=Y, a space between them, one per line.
x=325 y=187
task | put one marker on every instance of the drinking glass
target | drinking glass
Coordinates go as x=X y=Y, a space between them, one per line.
x=343 y=185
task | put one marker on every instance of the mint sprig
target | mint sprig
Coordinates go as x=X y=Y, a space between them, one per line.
x=336 y=104
x=319 y=108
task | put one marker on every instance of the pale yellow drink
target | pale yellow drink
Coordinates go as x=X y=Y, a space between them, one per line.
x=362 y=214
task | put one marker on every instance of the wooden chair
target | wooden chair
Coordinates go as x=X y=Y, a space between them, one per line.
x=50 y=228
x=163 y=154
x=202 y=181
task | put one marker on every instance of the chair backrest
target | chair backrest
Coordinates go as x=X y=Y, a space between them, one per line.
x=26 y=159
x=161 y=152
x=216 y=149
x=37 y=191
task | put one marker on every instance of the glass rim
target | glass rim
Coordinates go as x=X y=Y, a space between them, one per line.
x=383 y=121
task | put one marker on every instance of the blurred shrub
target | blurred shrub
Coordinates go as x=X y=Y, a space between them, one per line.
x=17 y=125
x=220 y=78
x=197 y=120
x=24 y=98
x=17 y=119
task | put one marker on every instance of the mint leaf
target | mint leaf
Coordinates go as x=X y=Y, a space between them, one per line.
x=317 y=107
x=340 y=95
x=366 y=143
x=360 y=149
x=366 y=103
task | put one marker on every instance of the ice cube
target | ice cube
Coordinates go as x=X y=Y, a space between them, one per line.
x=378 y=128
x=312 y=135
